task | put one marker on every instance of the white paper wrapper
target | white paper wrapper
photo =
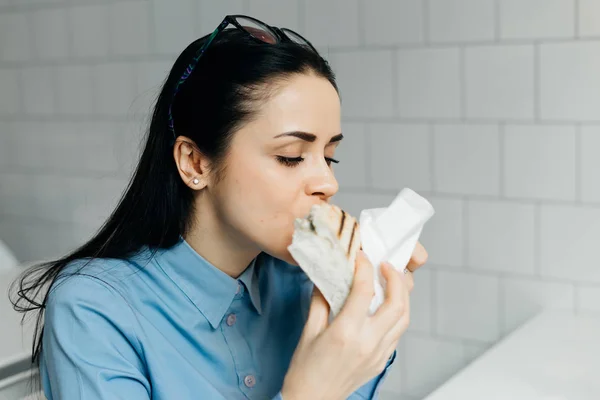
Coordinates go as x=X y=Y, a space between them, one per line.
x=391 y=234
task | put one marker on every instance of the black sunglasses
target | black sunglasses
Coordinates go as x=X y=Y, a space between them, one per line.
x=253 y=27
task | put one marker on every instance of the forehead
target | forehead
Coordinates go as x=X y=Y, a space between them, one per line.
x=301 y=103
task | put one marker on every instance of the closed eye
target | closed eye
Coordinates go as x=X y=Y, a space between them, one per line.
x=295 y=161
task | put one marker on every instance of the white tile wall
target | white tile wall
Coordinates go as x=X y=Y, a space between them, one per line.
x=15 y=37
x=10 y=95
x=400 y=156
x=114 y=85
x=428 y=83
x=489 y=108
x=551 y=174
x=274 y=12
x=430 y=362
x=501 y=236
x=444 y=237
x=39 y=93
x=568 y=240
x=466 y=159
x=500 y=82
x=75 y=94
x=389 y=22
x=130 y=27
x=536 y=19
x=211 y=13
x=523 y=298
x=590 y=163
x=332 y=22
x=50 y=32
x=461 y=20
x=589 y=17
x=364 y=79
x=89 y=29
x=569 y=82
x=174 y=24
x=458 y=314
x=351 y=152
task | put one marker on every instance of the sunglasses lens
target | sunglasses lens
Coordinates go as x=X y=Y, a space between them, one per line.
x=257 y=30
x=296 y=38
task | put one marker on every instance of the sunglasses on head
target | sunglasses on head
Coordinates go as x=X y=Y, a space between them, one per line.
x=252 y=27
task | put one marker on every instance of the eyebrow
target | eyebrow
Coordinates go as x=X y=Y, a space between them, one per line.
x=308 y=137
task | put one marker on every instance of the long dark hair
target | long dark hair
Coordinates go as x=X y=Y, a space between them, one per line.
x=234 y=74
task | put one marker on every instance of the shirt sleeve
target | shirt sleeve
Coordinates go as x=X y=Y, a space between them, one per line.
x=370 y=390
x=89 y=349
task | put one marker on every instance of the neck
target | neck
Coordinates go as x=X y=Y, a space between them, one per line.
x=219 y=243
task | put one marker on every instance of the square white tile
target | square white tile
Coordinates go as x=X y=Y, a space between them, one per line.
x=461 y=20
x=51 y=34
x=589 y=17
x=331 y=23
x=130 y=27
x=428 y=83
x=364 y=80
x=466 y=159
x=38 y=84
x=443 y=235
x=501 y=236
x=174 y=23
x=429 y=363
x=278 y=13
x=10 y=95
x=467 y=305
x=15 y=37
x=88 y=27
x=537 y=19
x=539 y=162
x=114 y=86
x=569 y=81
x=389 y=22
x=400 y=156
x=590 y=163
x=75 y=90
x=500 y=82
x=568 y=241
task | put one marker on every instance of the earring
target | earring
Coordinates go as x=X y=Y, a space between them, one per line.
x=196 y=181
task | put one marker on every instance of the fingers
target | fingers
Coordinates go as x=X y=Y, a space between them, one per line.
x=362 y=290
x=418 y=258
x=318 y=315
x=408 y=280
x=396 y=302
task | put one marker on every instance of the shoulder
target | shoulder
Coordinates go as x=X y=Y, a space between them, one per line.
x=91 y=288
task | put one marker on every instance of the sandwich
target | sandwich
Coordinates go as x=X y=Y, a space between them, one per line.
x=325 y=245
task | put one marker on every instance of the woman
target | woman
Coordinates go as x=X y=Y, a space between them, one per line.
x=188 y=290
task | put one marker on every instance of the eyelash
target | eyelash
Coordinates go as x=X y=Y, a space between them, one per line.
x=292 y=162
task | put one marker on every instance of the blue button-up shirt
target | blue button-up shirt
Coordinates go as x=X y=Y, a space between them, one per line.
x=170 y=326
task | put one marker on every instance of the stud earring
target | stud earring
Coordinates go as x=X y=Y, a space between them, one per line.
x=196 y=181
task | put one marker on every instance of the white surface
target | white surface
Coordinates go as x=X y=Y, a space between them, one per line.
x=555 y=356
x=7 y=257
x=15 y=343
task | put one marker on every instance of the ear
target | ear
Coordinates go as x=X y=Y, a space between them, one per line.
x=191 y=163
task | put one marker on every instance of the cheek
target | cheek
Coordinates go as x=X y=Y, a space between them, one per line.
x=263 y=200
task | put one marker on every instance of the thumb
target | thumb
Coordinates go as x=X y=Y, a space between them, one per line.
x=318 y=315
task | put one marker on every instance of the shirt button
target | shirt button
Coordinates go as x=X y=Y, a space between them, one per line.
x=240 y=289
x=250 y=381
x=231 y=318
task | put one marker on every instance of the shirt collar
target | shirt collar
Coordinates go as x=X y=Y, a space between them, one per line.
x=210 y=289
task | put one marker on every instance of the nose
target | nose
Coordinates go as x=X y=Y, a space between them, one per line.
x=322 y=183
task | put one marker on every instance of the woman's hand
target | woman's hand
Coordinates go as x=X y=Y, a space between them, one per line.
x=332 y=361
